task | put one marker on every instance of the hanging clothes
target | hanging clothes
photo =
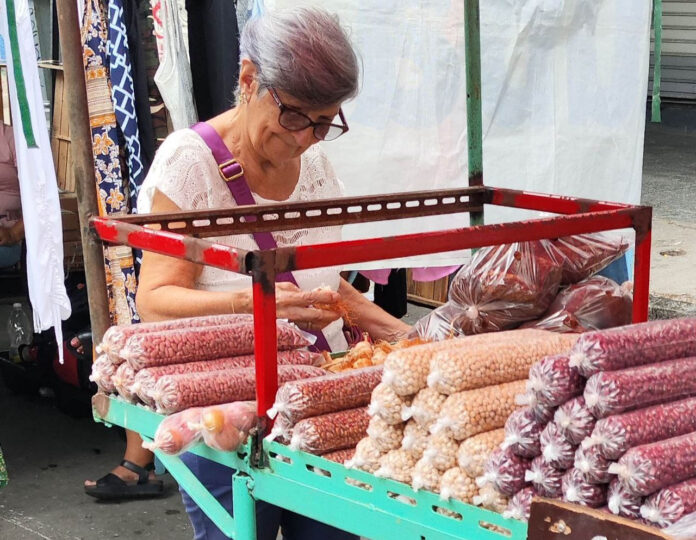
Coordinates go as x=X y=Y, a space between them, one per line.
x=158 y=26
x=37 y=178
x=137 y=47
x=214 y=48
x=173 y=77
x=123 y=96
x=120 y=274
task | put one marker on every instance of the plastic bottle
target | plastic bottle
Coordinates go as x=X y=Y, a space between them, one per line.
x=19 y=331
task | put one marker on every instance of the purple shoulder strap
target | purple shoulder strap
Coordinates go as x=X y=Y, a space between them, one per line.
x=233 y=175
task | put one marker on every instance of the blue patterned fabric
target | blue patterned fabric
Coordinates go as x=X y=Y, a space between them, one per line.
x=123 y=97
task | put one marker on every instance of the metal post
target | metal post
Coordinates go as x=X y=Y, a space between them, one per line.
x=641 y=278
x=657 y=55
x=474 y=130
x=244 y=507
x=83 y=165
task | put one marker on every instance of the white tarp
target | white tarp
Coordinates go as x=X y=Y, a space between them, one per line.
x=564 y=85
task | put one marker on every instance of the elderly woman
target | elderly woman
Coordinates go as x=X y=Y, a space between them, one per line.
x=296 y=69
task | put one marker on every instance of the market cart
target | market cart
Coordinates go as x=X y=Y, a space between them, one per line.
x=301 y=482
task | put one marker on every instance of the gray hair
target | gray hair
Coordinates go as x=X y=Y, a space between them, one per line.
x=304 y=52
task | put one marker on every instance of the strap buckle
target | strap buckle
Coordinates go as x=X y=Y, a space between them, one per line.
x=229 y=163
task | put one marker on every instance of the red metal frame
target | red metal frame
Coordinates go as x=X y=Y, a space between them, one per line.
x=577 y=216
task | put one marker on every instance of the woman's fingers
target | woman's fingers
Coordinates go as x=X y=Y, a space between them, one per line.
x=309 y=318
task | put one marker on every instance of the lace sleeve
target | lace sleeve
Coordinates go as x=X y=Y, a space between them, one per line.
x=185 y=171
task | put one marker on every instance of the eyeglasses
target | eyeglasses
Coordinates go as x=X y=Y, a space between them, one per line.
x=294 y=120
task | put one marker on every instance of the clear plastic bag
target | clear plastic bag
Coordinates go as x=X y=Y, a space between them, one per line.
x=426 y=476
x=545 y=479
x=475 y=451
x=441 y=451
x=593 y=466
x=684 y=529
x=174 y=434
x=174 y=393
x=520 y=505
x=614 y=392
x=102 y=374
x=621 y=502
x=456 y=484
x=225 y=427
x=578 y=490
x=582 y=255
x=304 y=398
x=185 y=345
x=593 y=304
x=146 y=379
x=415 y=439
x=330 y=432
x=123 y=380
x=648 y=468
x=406 y=370
x=505 y=471
x=553 y=381
x=670 y=504
x=614 y=435
x=555 y=448
x=634 y=345
x=491 y=499
x=340 y=456
x=574 y=420
x=492 y=359
x=366 y=457
x=522 y=432
x=426 y=406
x=388 y=405
x=397 y=465
x=385 y=436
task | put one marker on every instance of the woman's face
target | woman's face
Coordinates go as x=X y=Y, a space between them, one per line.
x=273 y=141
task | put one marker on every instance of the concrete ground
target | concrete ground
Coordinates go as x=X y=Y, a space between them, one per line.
x=49 y=454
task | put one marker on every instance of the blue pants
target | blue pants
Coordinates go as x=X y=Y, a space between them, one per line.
x=218 y=480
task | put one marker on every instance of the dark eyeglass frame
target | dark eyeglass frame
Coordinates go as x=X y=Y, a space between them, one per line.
x=310 y=123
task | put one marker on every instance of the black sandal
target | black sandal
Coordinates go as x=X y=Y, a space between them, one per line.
x=111 y=487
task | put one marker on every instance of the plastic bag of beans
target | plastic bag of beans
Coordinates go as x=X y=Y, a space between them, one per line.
x=578 y=490
x=115 y=337
x=621 y=502
x=123 y=380
x=441 y=451
x=281 y=431
x=491 y=499
x=102 y=374
x=385 y=436
x=618 y=391
x=340 y=456
x=184 y=345
x=522 y=432
x=545 y=479
x=670 y=504
x=366 y=457
x=426 y=476
x=488 y=360
x=304 y=398
x=505 y=471
x=456 y=484
x=388 y=405
x=554 y=382
x=648 y=468
x=174 y=434
x=634 y=345
x=615 y=434
x=146 y=379
x=330 y=432
x=592 y=304
x=415 y=439
x=582 y=255
x=475 y=451
x=174 y=393
x=469 y=413
x=225 y=427
x=425 y=407
x=520 y=505
x=593 y=466
x=555 y=448
x=397 y=465
x=574 y=420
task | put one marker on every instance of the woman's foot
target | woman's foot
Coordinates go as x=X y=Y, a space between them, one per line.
x=127 y=481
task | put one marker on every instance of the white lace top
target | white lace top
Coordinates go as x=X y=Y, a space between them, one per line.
x=185 y=170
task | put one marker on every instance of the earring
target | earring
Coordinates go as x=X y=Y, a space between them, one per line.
x=243 y=99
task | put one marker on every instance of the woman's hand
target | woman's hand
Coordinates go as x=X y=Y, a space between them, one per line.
x=300 y=306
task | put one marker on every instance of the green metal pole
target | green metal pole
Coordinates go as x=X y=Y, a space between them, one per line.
x=244 y=507
x=474 y=131
x=657 y=55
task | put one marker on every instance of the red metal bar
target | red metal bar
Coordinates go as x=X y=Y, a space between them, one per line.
x=556 y=204
x=641 y=277
x=265 y=340
x=172 y=244
x=320 y=255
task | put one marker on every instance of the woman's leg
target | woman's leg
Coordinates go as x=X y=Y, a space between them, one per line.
x=297 y=527
x=134 y=453
x=217 y=479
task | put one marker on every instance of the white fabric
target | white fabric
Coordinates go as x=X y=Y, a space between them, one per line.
x=173 y=76
x=38 y=186
x=564 y=84
x=185 y=170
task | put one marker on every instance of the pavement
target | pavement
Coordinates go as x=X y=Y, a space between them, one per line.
x=49 y=453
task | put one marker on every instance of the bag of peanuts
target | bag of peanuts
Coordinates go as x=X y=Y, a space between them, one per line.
x=102 y=374
x=176 y=433
x=593 y=304
x=225 y=427
x=502 y=287
x=330 y=432
x=582 y=255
